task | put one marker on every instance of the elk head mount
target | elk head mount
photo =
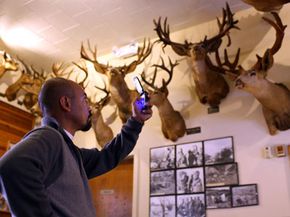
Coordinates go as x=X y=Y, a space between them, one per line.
x=120 y=93
x=172 y=123
x=274 y=97
x=211 y=87
x=266 y=5
x=102 y=130
x=26 y=78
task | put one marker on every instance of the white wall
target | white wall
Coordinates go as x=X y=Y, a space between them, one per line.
x=240 y=116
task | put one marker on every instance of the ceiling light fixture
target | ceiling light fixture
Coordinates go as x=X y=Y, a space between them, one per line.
x=126 y=51
x=20 y=37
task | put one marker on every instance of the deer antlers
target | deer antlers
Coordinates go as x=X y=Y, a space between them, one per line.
x=210 y=85
x=119 y=90
x=172 y=123
x=162 y=66
x=227 y=22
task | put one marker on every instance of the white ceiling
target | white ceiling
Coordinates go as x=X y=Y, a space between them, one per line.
x=59 y=26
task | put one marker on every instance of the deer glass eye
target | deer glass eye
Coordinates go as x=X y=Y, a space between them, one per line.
x=195 y=48
x=253 y=73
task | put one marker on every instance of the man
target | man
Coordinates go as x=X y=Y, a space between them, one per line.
x=45 y=174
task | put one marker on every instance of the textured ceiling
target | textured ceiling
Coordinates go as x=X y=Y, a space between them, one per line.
x=58 y=27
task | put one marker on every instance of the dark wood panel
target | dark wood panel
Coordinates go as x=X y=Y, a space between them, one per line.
x=15 y=117
x=112 y=192
x=14 y=124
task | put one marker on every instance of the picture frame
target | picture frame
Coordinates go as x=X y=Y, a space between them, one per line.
x=190 y=180
x=218 y=197
x=162 y=182
x=189 y=155
x=245 y=195
x=163 y=206
x=191 y=205
x=221 y=175
x=219 y=151
x=162 y=158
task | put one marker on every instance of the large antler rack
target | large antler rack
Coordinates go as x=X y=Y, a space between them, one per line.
x=279 y=27
x=225 y=25
x=60 y=70
x=84 y=68
x=232 y=68
x=164 y=36
x=162 y=66
x=226 y=67
x=101 y=68
x=104 y=100
x=142 y=54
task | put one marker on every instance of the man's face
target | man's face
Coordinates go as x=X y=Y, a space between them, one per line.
x=81 y=110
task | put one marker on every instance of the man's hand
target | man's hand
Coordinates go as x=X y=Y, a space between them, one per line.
x=140 y=114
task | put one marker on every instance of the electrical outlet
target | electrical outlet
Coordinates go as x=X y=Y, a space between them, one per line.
x=267 y=152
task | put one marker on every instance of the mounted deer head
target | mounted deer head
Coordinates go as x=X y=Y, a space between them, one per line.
x=101 y=129
x=275 y=98
x=172 y=123
x=103 y=132
x=32 y=89
x=267 y=5
x=118 y=88
x=58 y=70
x=210 y=85
x=7 y=64
x=25 y=78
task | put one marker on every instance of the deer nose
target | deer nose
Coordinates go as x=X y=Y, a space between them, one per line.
x=239 y=83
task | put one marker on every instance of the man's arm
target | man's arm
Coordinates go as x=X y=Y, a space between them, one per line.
x=98 y=162
x=23 y=170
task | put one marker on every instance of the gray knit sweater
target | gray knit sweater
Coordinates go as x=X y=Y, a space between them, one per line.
x=46 y=175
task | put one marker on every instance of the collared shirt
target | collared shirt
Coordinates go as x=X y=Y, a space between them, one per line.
x=69 y=134
x=46 y=119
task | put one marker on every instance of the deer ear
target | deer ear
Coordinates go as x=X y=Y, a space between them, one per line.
x=267 y=60
x=164 y=88
x=213 y=46
x=180 y=50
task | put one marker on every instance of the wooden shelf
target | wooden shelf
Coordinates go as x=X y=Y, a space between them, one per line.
x=14 y=124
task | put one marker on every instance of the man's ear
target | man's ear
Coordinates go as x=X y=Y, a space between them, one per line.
x=65 y=103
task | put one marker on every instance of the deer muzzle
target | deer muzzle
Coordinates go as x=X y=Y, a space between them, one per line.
x=239 y=84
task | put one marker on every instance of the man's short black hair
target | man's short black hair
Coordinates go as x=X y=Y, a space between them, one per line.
x=51 y=92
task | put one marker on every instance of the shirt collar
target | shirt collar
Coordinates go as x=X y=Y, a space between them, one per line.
x=52 y=121
x=68 y=134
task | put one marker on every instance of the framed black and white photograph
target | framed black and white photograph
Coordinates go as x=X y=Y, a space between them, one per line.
x=192 y=205
x=190 y=180
x=162 y=206
x=221 y=175
x=162 y=182
x=218 y=197
x=189 y=155
x=162 y=158
x=245 y=195
x=219 y=151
